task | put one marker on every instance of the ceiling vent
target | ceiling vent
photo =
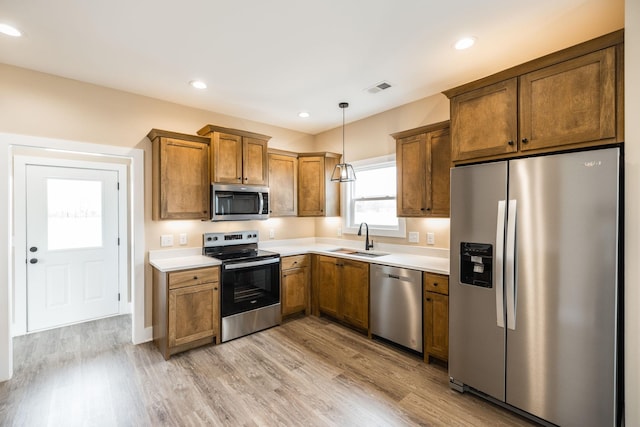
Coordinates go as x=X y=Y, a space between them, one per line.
x=379 y=87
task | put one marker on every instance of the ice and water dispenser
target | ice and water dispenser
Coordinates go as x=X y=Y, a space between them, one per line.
x=476 y=264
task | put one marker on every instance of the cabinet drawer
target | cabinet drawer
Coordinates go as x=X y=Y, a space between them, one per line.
x=196 y=276
x=295 y=261
x=436 y=283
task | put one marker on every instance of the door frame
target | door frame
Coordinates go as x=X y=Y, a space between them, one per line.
x=9 y=144
x=20 y=163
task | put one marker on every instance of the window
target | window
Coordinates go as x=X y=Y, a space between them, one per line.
x=371 y=198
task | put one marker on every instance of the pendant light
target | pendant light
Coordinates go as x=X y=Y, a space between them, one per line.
x=343 y=172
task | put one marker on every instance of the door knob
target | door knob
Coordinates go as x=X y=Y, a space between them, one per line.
x=33 y=249
x=33 y=260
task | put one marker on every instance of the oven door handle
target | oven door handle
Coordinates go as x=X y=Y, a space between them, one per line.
x=236 y=266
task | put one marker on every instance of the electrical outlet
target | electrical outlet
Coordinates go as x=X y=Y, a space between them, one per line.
x=431 y=239
x=183 y=238
x=414 y=237
x=339 y=231
x=166 y=240
x=272 y=233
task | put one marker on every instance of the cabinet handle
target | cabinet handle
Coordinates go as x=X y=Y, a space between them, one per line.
x=428 y=299
x=195 y=277
x=215 y=289
x=525 y=140
x=422 y=209
x=435 y=284
x=239 y=178
x=510 y=142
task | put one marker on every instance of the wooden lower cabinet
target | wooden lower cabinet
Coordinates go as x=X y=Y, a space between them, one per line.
x=186 y=309
x=294 y=282
x=436 y=316
x=341 y=290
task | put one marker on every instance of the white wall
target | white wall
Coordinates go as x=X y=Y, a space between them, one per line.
x=632 y=212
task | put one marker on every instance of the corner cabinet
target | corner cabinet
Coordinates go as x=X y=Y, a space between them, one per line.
x=180 y=175
x=237 y=156
x=423 y=162
x=436 y=316
x=283 y=183
x=294 y=282
x=341 y=290
x=566 y=100
x=186 y=309
x=317 y=194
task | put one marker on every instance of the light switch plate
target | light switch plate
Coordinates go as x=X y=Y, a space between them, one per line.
x=166 y=240
x=431 y=239
x=272 y=233
x=414 y=237
x=183 y=238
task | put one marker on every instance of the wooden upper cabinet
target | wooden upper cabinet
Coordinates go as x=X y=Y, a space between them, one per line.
x=180 y=176
x=237 y=156
x=484 y=122
x=317 y=194
x=569 y=99
x=569 y=103
x=423 y=161
x=283 y=184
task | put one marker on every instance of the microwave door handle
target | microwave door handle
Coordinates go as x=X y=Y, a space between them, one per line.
x=261 y=206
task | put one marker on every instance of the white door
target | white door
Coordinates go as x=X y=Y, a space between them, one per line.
x=72 y=245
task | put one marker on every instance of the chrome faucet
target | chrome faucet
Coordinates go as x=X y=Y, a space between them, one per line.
x=367 y=245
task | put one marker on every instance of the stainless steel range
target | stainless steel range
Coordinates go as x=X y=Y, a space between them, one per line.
x=250 y=282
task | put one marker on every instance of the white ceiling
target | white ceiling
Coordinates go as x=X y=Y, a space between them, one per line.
x=266 y=60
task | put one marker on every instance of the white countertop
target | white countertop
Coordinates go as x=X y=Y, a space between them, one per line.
x=180 y=259
x=403 y=256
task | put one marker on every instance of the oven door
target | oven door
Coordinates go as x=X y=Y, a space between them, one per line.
x=247 y=285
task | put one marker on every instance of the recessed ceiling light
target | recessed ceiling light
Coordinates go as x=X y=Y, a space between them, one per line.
x=303 y=114
x=198 y=84
x=465 y=43
x=9 y=30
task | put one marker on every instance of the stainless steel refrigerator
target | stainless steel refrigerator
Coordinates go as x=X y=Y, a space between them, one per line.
x=534 y=294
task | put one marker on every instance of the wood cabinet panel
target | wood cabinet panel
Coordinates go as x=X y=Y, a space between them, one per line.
x=436 y=326
x=484 y=122
x=355 y=293
x=186 y=309
x=226 y=158
x=341 y=290
x=568 y=103
x=436 y=283
x=423 y=161
x=283 y=185
x=193 y=313
x=237 y=156
x=317 y=194
x=180 y=176
x=295 y=291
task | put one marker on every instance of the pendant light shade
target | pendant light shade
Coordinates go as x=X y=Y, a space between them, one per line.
x=343 y=172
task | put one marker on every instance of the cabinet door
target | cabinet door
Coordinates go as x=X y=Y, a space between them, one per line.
x=569 y=103
x=439 y=152
x=484 y=122
x=355 y=293
x=411 y=176
x=295 y=285
x=254 y=161
x=327 y=278
x=183 y=174
x=311 y=190
x=193 y=313
x=226 y=158
x=436 y=325
x=283 y=185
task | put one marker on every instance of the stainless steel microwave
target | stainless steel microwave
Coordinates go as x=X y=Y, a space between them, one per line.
x=236 y=202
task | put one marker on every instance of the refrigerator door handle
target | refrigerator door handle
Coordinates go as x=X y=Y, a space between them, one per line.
x=510 y=270
x=499 y=256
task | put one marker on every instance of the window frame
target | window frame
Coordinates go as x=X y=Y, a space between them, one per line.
x=348 y=202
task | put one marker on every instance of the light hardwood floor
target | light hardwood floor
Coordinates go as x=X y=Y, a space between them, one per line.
x=307 y=372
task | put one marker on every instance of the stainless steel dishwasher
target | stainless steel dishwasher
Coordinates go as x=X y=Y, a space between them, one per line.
x=396 y=305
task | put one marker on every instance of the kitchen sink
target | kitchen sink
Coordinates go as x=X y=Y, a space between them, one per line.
x=348 y=251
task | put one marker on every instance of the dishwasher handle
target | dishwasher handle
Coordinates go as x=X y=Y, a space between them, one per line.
x=393 y=276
